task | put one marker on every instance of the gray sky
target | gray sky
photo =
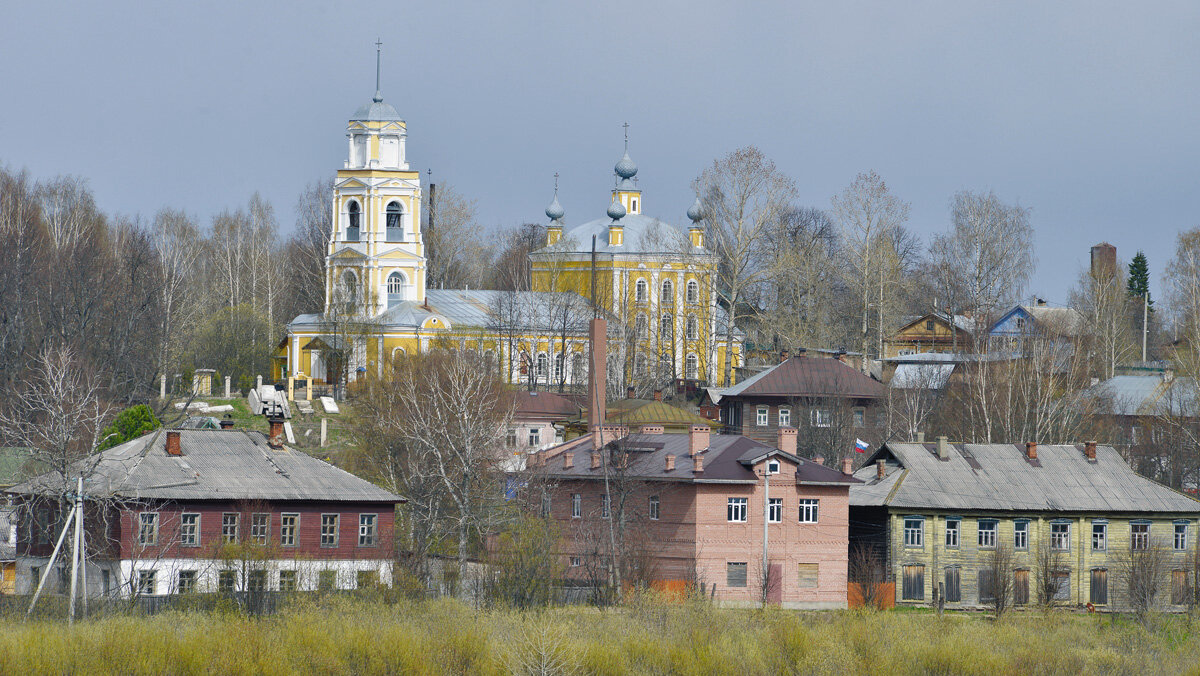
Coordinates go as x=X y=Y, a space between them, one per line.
x=1085 y=112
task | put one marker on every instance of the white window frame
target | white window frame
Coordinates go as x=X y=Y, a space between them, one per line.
x=1139 y=540
x=773 y=466
x=988 y=533
x=693 y=291
x=654 y=507
x=1099 y=537
x=576 y=506
x=189 y=533
x=231 y=526
x=190 y=586
x=147 y=582
x=953 y=532
x=260 y=532
x=510 y=439
x=810 y=510
x=821 y=417
x=914 y=532
x=785 y=416
x=1060 y=536
x=641 y=291
x=368 y=530
x=1180 y=540
x=775 y=510
x=736 y=509
x=605 y=506
x=535 y=436
x=1021 y=535
x=147 y=529
x=762 y=416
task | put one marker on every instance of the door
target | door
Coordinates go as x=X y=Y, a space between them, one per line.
x=775 y=583
x=1020 y=587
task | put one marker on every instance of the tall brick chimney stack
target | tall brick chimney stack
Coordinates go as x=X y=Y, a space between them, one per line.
x=1089 y=450
x=174 y=445
x=787 y=440
x=657 y=395
x=275 y=438
x=698 y=439
x=597 y=371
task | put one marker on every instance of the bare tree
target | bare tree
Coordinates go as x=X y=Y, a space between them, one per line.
x=744 y=195
x=455 y=258
x=1142 y=569
x=177 y=245
x=1050 y=564
x=869 y=573
x=997 y=571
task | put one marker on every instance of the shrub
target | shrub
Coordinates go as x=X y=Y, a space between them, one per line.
x=131 y=423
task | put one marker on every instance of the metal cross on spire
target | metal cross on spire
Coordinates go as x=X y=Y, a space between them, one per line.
x=378 y=62
x=556 y=184
x=626 y=125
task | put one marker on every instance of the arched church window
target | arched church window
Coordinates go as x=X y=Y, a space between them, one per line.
x=691 y=369
x=395 y=288
x=543 y=366
x=693 y=327
x=641 y=326
x=693 y=291
x=350 y=284
x=353 y=220
x=395 y=233
x=559 y=365
x=641 y=293
x=578 y=367
x=667 y=331
x=668 y=292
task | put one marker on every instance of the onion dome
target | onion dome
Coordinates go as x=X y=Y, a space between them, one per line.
x=625 y=167
x=616 y=210
x=696 y=211
x=555 y=211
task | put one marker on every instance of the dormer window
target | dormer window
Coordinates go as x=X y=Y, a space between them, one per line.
x=773 y=467
x=353 y=221
x=395 y=233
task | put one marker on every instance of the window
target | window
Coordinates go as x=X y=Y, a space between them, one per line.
x=929 y=325
x=1181 y=537
x=287 y=529
x=785 y=417
x=1020 y=587
x=953 y=588
x=808 y=510
x=260 y=528
x=605 y=503
x=510 y=439
x=145 y=582
x=641 y=293
x=693 y=327
x=1099 y=587
x=775 y=510
x=395 y=288
x=735 y=510
x=987 y=585
x=229 y=526
x=808 y=575
x=693 y=291
x=1139 y=536
x=666 y=330
x=545 y=503
x=394 y=232
x=559 y=366
x=914 y=532
x=189 y=530
x=914 y=583
x=256 y=581
x=641 y=328
x=147 y=528
x=576 y=506
x=773 y=467
x=543 y=366
x=1021 y=535
x=1062 y=585
x=326 y=580
x=735 y=574
x=1181 y=591
x=287 y=580
x=576 y=561
x=365 y=579
x=186 y=583
x=860 y=417
x=1060 y=537
x=668 y=292
x=952 y=526
x=354 y=219
x=821 y=417
x=227 y=581
x=1099 y=536
x=691 y=367
x=329 y=530
x=535 y=436
x=367 y=524
x=654 y=508
x=762 y=416
x=987 y=533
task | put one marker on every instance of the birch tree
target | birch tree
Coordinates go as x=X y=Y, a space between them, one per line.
x=176 y=244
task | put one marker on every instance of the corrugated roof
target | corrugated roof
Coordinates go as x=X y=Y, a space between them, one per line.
x=997 y=477
x=1145 y=395
x=808 y=376
x=655 y=412
x=922 y=376
x=216 y=465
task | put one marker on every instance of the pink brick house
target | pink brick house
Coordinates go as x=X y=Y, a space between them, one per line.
x=692 y=509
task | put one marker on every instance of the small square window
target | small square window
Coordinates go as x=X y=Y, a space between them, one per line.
x=576 y=561
x=808 y=575
x=186 y=583
x=146 y=583
x=256 y=581
x=773 y=467
x=227 y=581
x=287 y=580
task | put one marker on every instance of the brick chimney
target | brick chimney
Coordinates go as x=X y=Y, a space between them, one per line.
x=1031 y=450
x=226 y=424
x=787 y=440
x=783 y=356
x=819 y=460
x=1089 y=450
x=697 y=439
x=943 y=448
x=595 y=459
x=697 y=464
x=568 y=460
x=880 y=468
x=174 y=445
x=275 y=438
x=652 y=429
x=597 y=369
x=670 y=462
x=630 y=392
x=657 y=395
x=611 y=433
x=847 y=466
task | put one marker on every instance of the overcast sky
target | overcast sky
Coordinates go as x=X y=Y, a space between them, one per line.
x=1084 y=112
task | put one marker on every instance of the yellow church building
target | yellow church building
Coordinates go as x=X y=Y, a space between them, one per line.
x=654 y=282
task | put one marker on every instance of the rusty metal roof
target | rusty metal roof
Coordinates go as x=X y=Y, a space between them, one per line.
x=808 y=377
x=543 y=405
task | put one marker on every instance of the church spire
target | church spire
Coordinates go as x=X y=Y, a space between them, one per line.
x=378 y=62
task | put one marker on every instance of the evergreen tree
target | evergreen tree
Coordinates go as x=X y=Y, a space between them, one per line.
x=1139 y=278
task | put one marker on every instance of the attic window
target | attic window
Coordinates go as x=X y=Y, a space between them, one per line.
x=929 y=325
x=773 y=467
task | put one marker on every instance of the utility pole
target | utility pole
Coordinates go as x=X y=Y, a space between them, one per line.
x=766 y=567
x=1145 y=317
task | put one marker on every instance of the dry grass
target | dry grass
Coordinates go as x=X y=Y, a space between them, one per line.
x=344 y=635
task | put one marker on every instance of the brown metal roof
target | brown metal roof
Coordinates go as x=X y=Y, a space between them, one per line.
x=542 y=405
x=808 y=377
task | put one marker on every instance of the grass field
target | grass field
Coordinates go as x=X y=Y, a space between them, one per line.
x=344 y=635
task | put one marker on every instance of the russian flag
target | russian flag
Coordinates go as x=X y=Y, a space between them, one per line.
x=861 y=446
